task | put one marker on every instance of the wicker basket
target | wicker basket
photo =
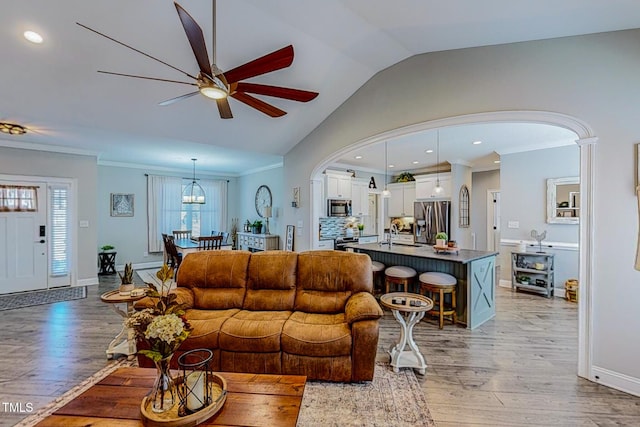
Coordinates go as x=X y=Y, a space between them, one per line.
x=571 y=290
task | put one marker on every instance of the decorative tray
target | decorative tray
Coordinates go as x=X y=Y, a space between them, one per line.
x=445 y=249
x=217 y=390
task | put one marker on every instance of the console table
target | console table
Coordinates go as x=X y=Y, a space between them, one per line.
x=258 y=242
x=124 y=342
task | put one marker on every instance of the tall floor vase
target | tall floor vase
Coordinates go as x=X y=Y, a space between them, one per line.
x=163 y=393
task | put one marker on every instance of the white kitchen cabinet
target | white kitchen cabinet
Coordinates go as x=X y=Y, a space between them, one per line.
x=368 y=239
x=425 y=185
x=401 y=201
x=338 y=185
x=324 y=244
x=359 y=197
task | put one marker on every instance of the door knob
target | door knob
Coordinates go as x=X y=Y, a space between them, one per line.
x=40 y=241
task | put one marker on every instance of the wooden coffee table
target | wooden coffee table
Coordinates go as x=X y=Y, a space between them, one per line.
x=252 y=400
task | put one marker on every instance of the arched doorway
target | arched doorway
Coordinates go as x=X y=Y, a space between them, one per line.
x=586 y=141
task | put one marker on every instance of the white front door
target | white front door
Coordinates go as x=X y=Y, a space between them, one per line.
x=23 y=245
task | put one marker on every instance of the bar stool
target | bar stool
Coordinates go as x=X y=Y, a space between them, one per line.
x=399 y=275
x=377 y=267
x=440 y=284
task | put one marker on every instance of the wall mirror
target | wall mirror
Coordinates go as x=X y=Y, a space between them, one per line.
x=563 y=200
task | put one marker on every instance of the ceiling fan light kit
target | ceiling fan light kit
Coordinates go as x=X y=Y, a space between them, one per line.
x=12 y=129
x=215 y=84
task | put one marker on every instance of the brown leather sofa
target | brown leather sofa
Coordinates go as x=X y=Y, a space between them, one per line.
x=277 y=312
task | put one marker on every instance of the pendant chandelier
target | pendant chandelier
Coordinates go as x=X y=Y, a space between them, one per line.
x=193 y=192
x=438 y=188
x=385 y=193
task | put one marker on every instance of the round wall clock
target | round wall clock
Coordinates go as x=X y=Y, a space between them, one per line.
x=263 y=199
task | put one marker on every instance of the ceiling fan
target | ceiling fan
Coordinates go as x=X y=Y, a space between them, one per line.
x=218 y=85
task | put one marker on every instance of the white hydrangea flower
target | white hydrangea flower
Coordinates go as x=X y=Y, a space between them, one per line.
x=166 y=328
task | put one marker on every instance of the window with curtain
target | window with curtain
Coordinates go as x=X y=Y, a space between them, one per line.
x=18 y=198
x=166 y=212
x=203 y=219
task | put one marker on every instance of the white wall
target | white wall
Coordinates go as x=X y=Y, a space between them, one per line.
x=482 y=182
x=592 y=77
x=523 y=191
x=129 y=234
x=84 y=170
x=281 y=195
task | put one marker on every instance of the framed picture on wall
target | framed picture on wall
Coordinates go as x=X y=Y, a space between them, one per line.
x=289 y=238
x=121 y=204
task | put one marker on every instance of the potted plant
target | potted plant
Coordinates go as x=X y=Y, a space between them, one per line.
x=107 y=248
x=441 y=239
x=524 y=280
x=126 y=280
x=256 y=226
x=405 y=177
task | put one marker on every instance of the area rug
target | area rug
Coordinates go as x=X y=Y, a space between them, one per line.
x=390 y=400
x=48 y=296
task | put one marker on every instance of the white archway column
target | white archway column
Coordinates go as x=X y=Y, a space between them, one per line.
x=587 y=221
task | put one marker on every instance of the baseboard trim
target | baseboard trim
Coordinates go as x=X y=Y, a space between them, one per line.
x=616 y=380
x=87 y=282
x=504 y=283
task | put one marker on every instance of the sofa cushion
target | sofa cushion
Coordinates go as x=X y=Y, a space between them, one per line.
x=206 y=326
x=253 y=331
x=218 y=279
x=313 y=334
x=271 y=284
x=326 y=280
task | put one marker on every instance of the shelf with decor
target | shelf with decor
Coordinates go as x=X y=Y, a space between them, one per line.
x=533 y=271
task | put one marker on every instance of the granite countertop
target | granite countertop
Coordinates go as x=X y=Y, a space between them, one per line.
x=463 y=256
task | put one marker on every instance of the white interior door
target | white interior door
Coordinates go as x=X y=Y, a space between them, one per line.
x=23 y=245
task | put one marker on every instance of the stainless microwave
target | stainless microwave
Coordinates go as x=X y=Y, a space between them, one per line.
x=338 y=207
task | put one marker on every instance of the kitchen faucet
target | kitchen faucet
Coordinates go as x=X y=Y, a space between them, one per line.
x=393 y=232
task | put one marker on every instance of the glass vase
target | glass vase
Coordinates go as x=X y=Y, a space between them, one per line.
x=163 y=393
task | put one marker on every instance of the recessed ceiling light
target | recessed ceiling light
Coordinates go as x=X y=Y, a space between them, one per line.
x=429 y=151
x=415 y=162
x=358 y=157
x=477 y=142
x=496 y=161
x=33 y=37
x=392 y=166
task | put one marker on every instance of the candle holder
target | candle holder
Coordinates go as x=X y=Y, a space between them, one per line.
x=194 y=392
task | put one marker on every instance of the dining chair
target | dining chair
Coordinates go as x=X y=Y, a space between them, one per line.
x=174 y=258
x=225 y=237
x=208 y=243
x=182 y=234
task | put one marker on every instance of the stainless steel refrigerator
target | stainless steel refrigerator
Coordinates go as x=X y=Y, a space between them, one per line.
x=431 y=217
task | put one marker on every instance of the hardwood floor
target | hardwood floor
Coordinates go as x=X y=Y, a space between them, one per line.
x=518 y=369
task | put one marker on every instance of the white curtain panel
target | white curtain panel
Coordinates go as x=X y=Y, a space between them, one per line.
x=164 y=203
x=213 y=214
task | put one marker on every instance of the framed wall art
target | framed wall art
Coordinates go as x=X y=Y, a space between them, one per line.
x=121 y=204
x=289 y=238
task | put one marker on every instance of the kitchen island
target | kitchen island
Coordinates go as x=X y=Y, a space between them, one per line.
x=474 y=270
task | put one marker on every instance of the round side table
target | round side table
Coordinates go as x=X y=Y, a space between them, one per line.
x=408 y=309
x=124 y=342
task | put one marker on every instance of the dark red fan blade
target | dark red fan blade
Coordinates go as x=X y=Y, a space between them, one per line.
x=178 y=98
x=196 y=39
x=224 y=108
x=276 y=91
x=262 y=106
x=270 y=62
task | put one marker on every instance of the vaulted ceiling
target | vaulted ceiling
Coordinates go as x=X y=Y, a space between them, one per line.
x=54 y=89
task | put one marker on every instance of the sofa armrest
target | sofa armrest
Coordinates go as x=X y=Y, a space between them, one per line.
x=362 y=306
x=185 y=296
